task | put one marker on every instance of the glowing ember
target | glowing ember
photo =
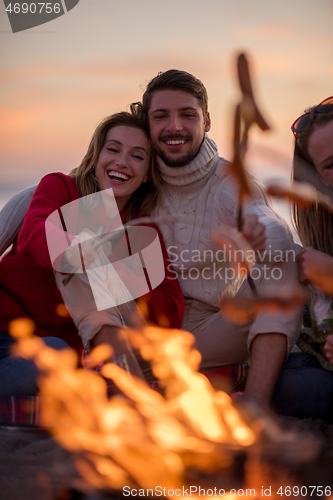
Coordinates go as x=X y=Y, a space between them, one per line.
x=62 y=311
x=22 y=327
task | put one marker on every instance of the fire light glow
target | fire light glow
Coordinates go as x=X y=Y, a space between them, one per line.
x=140 y=437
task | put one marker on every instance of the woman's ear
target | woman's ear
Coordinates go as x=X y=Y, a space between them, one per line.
x=146 y=178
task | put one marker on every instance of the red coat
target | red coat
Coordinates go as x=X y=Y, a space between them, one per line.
x=27 y=283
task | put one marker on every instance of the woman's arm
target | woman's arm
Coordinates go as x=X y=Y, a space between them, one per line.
x=11 y=217
x=316 y=268
x=166 y=303
x=51 y=194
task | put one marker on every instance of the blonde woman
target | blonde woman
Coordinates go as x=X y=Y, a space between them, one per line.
x=119 y=157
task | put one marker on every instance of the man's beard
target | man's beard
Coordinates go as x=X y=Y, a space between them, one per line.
x=179 y=162
x=170 y=161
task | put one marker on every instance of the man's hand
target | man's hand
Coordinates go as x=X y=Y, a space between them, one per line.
x=316 y=268
x=254 y=231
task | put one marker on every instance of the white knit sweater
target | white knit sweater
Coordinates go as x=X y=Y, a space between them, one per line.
x=203 y=193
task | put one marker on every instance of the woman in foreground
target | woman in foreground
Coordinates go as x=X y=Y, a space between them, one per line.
x=119 y=157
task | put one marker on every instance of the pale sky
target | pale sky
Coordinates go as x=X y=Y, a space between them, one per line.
x=59 y=79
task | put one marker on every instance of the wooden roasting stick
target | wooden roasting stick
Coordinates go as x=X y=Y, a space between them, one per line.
x=246 y=114
x=302 y=193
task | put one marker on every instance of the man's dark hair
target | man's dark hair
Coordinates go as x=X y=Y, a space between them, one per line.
x=174 y=79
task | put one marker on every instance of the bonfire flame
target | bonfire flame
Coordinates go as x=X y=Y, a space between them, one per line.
x=139 y=438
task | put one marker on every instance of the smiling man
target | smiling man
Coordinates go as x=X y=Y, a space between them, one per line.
x=177 y=124
x=199 y=189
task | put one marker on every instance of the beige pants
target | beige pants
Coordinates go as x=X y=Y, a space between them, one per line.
x=222 y=342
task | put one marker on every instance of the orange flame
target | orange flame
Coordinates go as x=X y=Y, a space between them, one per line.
x=141 y=438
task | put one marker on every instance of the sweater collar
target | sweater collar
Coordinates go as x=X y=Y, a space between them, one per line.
x=197 y=169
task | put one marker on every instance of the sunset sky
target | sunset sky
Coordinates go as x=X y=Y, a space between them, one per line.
x=59 y=79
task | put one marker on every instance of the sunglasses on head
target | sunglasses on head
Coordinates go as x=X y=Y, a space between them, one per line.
x=303 y=121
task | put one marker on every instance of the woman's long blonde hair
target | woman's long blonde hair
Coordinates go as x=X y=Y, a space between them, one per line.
x=146 y=197
x=314 y=225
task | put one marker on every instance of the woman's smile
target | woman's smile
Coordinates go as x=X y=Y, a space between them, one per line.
x=118 y=177
x=123 y=162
